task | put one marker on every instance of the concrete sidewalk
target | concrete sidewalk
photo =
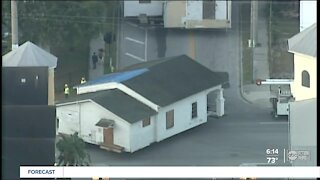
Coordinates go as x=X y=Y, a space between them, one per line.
x=260 y=95
x=95 y=45
x=260 y=52
x=257 y=95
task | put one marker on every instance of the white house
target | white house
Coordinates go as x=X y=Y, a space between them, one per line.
x=145 y=103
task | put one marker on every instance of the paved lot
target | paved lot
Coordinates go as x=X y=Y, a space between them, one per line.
x=242 y=136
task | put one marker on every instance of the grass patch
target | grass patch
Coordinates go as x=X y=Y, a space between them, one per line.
x=247 y=66
x=72 y=65
x=247 y=63
x=282 y=28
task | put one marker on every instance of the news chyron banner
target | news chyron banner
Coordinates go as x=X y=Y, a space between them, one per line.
x=168 y=172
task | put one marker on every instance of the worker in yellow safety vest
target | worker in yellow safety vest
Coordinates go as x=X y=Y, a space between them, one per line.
x=83 y=80
x=66 y=91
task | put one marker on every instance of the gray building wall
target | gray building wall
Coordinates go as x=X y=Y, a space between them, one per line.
x=303 y=131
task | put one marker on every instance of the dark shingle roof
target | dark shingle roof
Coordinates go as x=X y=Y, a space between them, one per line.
x=172 y=79
x=118 y=103
x=163 y=81
x=305 y=42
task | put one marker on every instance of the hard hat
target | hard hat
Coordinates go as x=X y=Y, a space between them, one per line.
x=65 y=85
x=82 y=77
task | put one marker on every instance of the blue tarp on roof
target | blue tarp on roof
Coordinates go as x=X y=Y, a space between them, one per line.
x=114 y=77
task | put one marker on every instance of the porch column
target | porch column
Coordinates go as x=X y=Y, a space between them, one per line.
x=220 y=103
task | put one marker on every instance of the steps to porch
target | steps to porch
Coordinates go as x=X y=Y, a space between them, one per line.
x=112 y=147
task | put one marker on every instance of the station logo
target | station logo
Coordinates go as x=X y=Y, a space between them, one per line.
x=298 y=155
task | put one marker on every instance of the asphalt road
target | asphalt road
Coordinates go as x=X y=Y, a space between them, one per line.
x=241 y=136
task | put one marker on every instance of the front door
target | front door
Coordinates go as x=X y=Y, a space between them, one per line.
x=108 y=135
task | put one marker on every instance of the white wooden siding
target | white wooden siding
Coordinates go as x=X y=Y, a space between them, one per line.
x=131 y=136
x=90 y=114
x=182 y=116
x=142 y=136
x=68 y=119
x=121 y=135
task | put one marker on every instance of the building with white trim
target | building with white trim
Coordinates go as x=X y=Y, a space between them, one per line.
x=304 y=47
x=181 y=14
x=303 y=111
x=145 y=103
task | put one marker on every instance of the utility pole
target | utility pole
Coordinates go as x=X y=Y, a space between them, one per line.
x=254 y=17
x=118 y=34
x=14 y=24
x=192 y=45
x=112 y=36
x=146 y=45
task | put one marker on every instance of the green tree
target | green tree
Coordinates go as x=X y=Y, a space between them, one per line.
x=65 y=28
x=6 y=27
x=72 y=151
x=60 y=22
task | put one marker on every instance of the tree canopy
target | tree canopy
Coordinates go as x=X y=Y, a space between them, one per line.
x=58 y=23
x=64 y=28
x=72 y=151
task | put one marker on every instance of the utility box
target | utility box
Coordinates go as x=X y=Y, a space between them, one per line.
x=25 y=85
x=28 y=137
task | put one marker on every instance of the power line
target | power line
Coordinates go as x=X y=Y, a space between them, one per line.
x=63 y=20
x=60 y=20
x=43 y=18
x=86 y=17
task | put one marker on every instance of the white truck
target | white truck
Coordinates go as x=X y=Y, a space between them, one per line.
x=283 y=95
